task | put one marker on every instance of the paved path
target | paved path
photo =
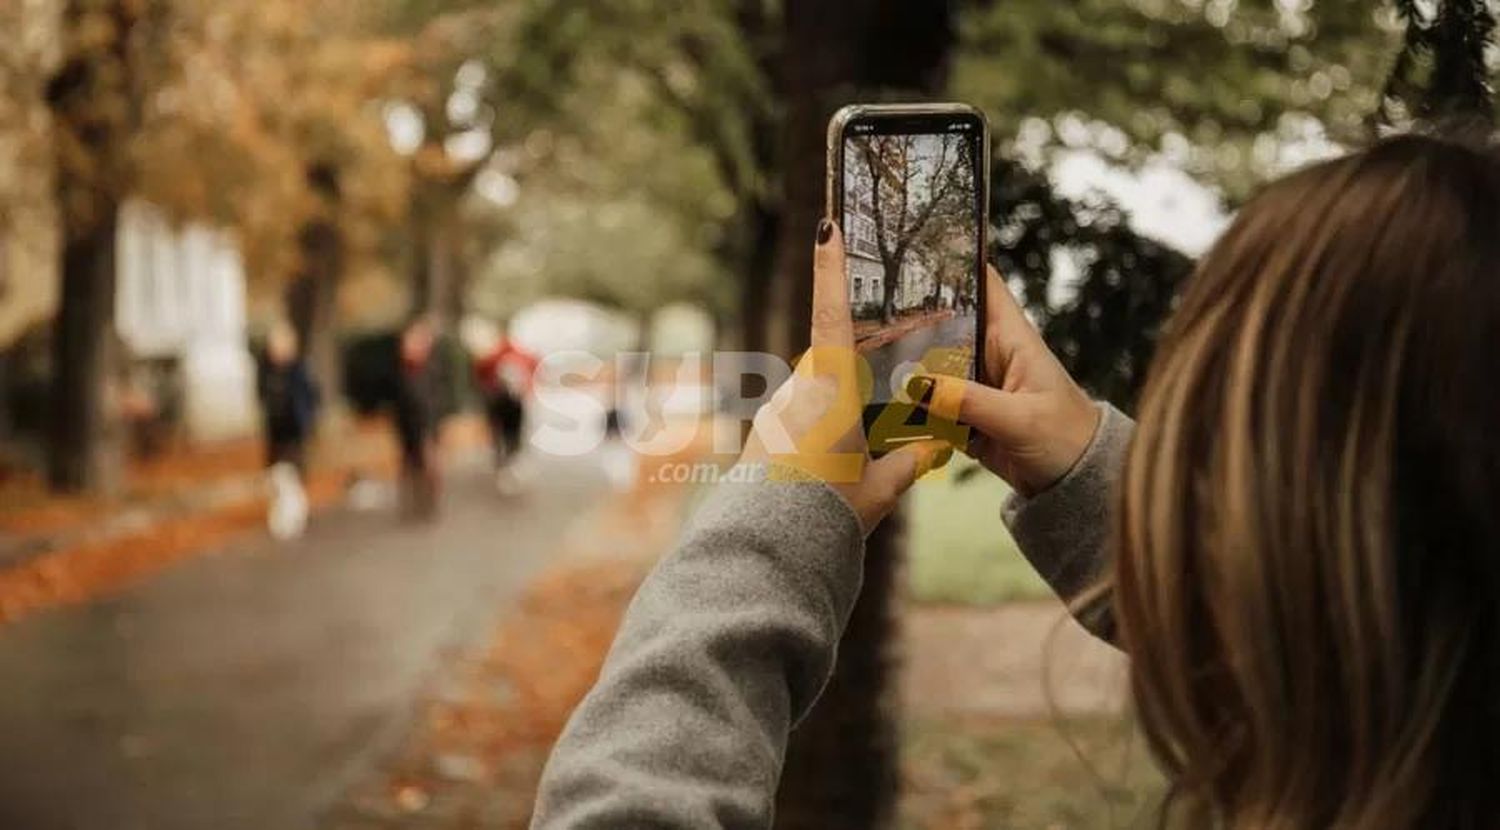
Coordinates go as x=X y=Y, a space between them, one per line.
x=246 y=689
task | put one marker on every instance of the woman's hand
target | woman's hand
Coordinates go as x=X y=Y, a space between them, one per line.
x=813 y=424
x=1031 y=421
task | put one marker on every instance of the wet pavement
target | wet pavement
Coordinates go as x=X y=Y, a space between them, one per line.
x=887 y=361
x=247 y=688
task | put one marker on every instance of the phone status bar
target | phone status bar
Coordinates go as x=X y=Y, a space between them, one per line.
x=955 y=127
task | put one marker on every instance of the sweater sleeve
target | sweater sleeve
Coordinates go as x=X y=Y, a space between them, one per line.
x=1064 y=530
x=726 y=645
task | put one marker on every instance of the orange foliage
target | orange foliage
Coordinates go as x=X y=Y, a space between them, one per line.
x=84 y=572
x=92 y=564
x=510 y=701
x=248 y=96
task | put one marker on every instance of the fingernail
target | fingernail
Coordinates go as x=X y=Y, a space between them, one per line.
x=933 y=458
x=924 y=465
x=918 y=386
x=825 y=231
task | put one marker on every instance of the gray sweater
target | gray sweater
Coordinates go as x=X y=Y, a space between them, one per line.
x=732 y=637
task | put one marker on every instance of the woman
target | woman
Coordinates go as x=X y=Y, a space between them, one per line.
x=289 y=401
x=1305 y=541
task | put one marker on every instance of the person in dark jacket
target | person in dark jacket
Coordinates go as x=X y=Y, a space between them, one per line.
x=418 y=396
x=289 y=400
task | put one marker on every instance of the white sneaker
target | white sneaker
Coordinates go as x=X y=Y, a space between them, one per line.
x=620 y=465
x=523 y=468
x=287 y=517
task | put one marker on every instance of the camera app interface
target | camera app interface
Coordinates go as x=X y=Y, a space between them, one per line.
x=911 y=234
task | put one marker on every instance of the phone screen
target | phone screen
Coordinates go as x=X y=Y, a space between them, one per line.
x=912 y=215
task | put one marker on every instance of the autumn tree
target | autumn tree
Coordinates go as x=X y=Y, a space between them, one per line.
x=252 y=115
x=29 y=53
x=913 y=188
x=281 y=117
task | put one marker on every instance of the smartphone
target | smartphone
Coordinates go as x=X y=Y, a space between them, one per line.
x=909 y=186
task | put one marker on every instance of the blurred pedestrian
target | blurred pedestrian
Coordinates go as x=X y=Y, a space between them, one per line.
x=289 y=400
x=504 y=372
x=634 y=408
x=418 y=380
x=615 y=457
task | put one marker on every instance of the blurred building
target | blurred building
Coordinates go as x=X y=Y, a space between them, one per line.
x=180 y=310
x=866 y=273
x=180 y=303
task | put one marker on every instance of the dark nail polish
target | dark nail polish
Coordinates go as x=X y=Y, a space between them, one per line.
x=825 y=231
x=917 y=388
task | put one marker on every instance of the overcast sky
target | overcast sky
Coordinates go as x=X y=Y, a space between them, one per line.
x=1164 y=203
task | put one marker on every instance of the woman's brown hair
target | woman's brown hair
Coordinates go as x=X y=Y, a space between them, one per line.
x=1308 y=547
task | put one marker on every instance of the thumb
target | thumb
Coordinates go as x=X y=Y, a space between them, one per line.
x=892 y=475
x=993 y=412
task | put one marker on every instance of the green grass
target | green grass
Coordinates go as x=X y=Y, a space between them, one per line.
x=960 y=551
x=1090 y=774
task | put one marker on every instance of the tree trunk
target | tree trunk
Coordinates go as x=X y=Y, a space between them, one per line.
x=821 y=64
x=760 y=263
x=312 y=296
x=892 y=271
x=758 y=221
x=421 y=261
x=95 y=104
x=438 y=286
x=841 y=769
x=450 y=299
x=5 y=288
x=85 y=442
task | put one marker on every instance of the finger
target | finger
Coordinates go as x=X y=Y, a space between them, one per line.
x=933 y=456
x=986 y=409
x=832 y=322
x=894 y=474
x=1001 y=312
x=769 y=425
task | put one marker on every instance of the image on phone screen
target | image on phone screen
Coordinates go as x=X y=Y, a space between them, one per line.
x=911 y=219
